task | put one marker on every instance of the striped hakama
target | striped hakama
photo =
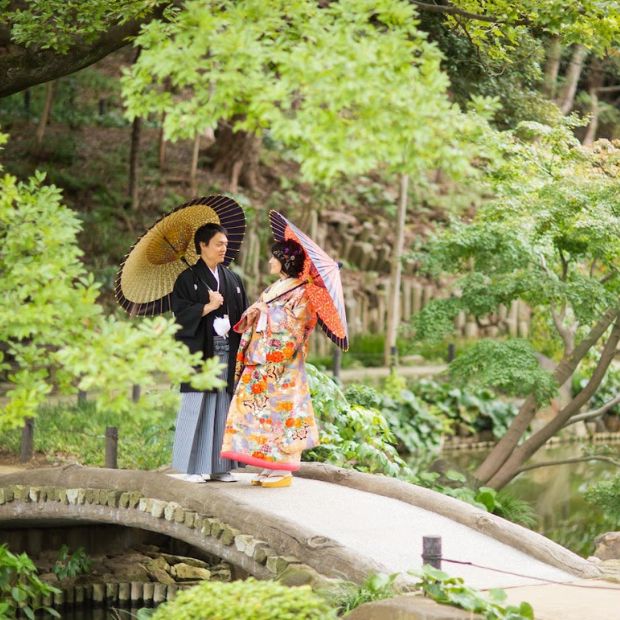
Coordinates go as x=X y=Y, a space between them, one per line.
x=200 y=426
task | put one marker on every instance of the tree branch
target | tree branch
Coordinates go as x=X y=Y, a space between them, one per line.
x=578 y=459
x=594 y=413
x=22 y=67
x=523 y=452
x=609 y=89
x=502 y=451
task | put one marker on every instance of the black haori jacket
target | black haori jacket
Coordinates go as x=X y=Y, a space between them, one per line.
x=189 y=296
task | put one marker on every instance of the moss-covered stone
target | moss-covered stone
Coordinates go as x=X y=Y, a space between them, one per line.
x=242 y=541
x=261 y=552
x=276 y=564
x=6 y=495
x=158 y=507
x=169 y=510
x=227 y=535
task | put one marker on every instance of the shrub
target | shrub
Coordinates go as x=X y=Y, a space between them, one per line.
x=606 y=495
x=246 y=600
x=352 y=435
x=20 y=586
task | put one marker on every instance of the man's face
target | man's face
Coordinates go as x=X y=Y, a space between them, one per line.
x=214 y=252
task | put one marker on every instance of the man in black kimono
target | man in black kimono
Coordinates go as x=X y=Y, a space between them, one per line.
x=207 y=299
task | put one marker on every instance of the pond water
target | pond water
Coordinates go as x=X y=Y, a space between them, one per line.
x=557 y=494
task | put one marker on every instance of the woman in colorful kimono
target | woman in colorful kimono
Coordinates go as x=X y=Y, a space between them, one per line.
x=271 y=419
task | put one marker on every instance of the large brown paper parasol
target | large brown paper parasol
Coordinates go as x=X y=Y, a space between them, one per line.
x=148 y=273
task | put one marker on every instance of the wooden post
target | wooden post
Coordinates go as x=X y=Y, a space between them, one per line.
x=451 y=352
x=135 y=393
x=27 y=447
x=111 y=447
x=193 y=176
x=431 y=551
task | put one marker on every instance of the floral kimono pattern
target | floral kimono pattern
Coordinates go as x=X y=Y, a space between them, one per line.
x=271 y=419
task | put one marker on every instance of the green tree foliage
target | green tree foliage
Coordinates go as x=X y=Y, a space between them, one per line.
x=246 y=600
x=56 y=24
x=498 y=25
x=551 y=237
x=606 y=494
x=53 y=334
x=349 y=87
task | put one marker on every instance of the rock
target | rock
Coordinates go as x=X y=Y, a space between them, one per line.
x=243 y=541
x=6 y=495
x=276 y=564
x=126 y=569
x=409 y=607
x=610 y=570
x=160 y=576
x=608 y=546
x=157 y=508
x=185 y=571
x=170 y=510
x=300 y=575
x=158 y=569
x=227 y=535
x=178 y=559
x=49 y=578
x=261 y=552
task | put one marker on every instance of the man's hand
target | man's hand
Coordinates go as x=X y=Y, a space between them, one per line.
x=215 y=301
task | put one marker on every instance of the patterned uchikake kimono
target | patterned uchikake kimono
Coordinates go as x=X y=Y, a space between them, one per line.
x=271 y=419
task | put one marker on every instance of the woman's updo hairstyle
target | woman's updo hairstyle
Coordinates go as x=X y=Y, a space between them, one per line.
x=291 y=255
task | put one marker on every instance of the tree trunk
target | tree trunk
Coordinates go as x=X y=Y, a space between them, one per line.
x=567 y=97
x=136 y=130
x=552 y=66
x=47 y=109
x=193 y=183
x=237 y=157
x=522 y=453
x=27 y=102
x=395 y=276
x=162 y=143
x=596 y=81
x=563 y=371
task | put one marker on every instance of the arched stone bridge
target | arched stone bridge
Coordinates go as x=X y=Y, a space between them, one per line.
x=331 y=523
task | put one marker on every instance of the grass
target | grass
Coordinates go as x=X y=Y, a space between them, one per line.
x=77 y=433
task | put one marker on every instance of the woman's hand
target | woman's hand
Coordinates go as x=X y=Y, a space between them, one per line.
x=250 y=316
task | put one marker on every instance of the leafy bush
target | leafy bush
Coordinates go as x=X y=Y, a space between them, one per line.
x=352 y=435
x=246 y=600
x=452 y=591
x=472 y=410
x=606 y=494
x=20 y=586
x=416 y=428
x=71 y=564
x=347 y=596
